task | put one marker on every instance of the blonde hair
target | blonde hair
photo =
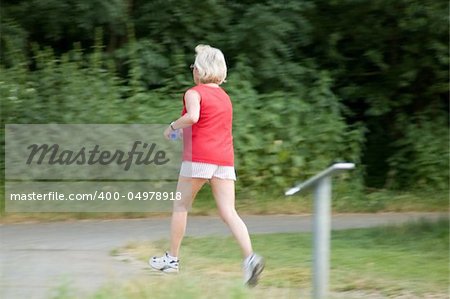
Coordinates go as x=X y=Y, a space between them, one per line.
x=210 y=64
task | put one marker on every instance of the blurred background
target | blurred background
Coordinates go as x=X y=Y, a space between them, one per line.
x=312 y=82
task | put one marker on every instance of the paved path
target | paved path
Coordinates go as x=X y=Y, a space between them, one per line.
x=36 y=258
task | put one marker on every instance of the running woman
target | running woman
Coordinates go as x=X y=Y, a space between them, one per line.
x=208 y=155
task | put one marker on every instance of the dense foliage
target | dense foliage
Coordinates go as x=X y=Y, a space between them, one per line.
x=312 y=81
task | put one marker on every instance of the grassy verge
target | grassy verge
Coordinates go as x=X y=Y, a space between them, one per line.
x=371 y=201
x=406 y=261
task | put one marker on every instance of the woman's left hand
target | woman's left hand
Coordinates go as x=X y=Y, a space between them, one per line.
x=167 y=132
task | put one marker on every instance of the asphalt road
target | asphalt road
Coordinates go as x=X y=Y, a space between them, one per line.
x=37 y=258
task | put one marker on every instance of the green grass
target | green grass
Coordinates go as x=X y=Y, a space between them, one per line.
x=409 y=258
x=264 y=204
x=407 y=261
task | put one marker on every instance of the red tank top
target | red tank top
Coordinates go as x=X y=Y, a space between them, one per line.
x=210 y=140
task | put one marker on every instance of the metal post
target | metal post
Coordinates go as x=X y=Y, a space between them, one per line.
x=322 y=224
x=322 y=220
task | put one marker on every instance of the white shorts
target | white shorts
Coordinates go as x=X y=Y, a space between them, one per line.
x=207 y=171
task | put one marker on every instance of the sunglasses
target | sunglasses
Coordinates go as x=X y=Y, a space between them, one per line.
x=192 y=67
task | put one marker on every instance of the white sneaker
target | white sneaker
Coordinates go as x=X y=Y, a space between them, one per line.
x=253 y=265
x=165 y=263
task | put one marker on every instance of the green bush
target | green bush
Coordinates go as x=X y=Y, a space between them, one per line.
x=421 y=157
x=360 y=87
x=279 y=137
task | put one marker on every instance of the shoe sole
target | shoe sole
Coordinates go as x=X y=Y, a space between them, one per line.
x=259 y=267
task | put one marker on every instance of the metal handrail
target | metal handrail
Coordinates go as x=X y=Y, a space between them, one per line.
x=314 y=180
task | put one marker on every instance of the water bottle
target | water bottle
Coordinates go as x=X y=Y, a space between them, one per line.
x=174 y=135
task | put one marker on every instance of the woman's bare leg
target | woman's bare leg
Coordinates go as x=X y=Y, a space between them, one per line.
x=189 y=188
x=223 y=191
